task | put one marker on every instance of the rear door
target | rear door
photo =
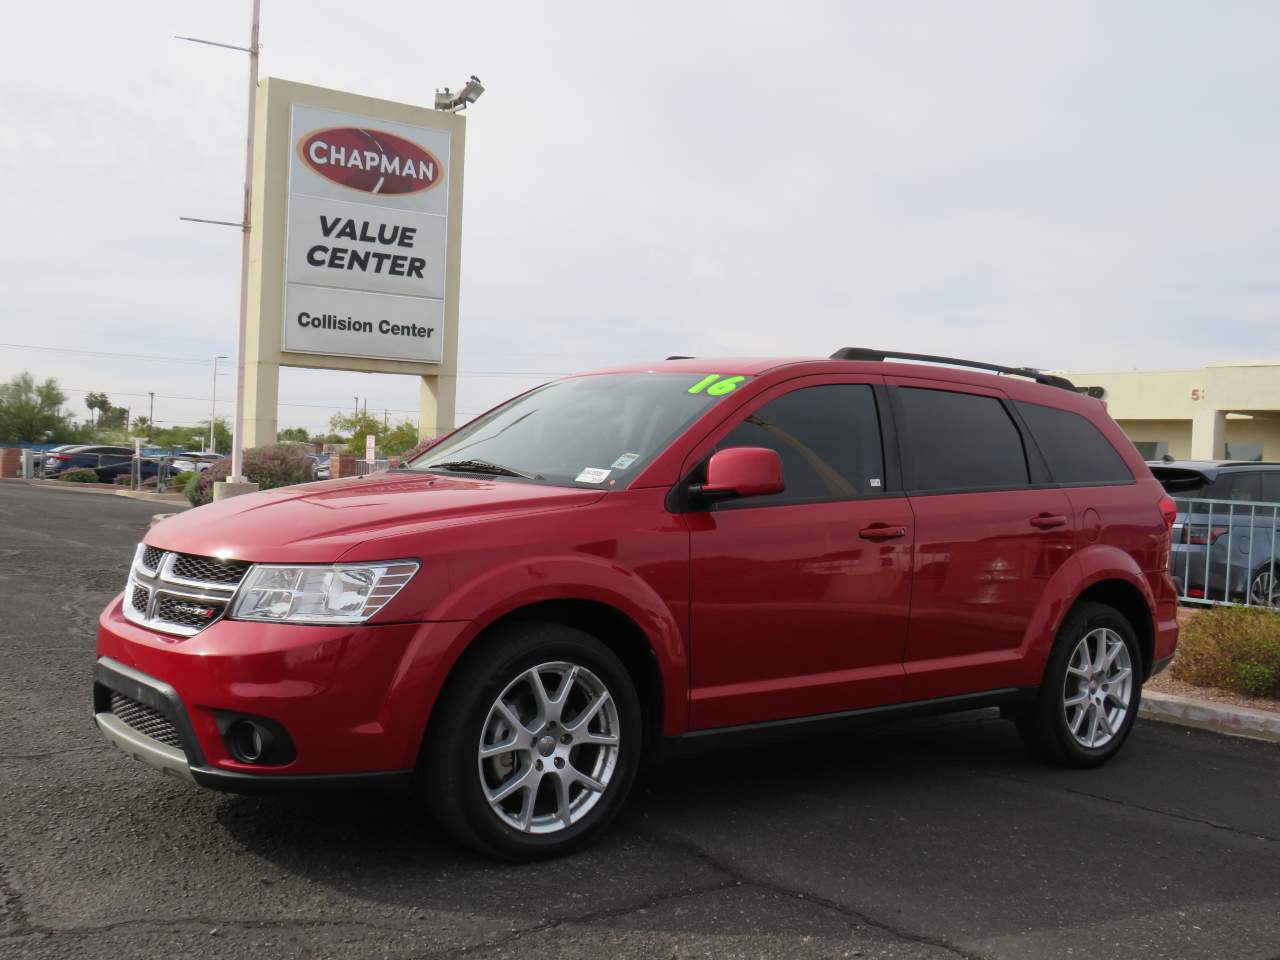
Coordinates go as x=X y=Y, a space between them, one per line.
x=991 y=530
x=800 y=599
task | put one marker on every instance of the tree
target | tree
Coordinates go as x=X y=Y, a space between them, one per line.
x=401 y=437
x=96 y=402
x=31 y=412
x=141 y=425
x=292 y=435
x=357 y=426
x=113 y=418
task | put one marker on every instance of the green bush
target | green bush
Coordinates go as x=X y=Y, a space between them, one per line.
x=1233 y=648
x=80 y=475
x=179 y=481
x=268 y=467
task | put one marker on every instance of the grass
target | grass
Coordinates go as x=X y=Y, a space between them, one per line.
x=1232 y=648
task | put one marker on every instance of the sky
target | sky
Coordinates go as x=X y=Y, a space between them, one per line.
x=1067 y=185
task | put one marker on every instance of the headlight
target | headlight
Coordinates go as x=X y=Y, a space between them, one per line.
x=340 y=593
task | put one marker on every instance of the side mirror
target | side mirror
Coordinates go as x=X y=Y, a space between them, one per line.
x=741 y=472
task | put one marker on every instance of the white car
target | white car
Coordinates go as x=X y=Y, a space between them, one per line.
x=194 y=462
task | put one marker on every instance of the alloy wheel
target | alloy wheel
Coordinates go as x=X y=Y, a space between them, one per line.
x=1098 y=689
x=1263 y=590
x=549 y=747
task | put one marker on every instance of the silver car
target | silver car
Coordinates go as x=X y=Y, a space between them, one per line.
x=1226 y=538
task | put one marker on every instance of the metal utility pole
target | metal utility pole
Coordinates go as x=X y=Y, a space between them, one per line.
x=213 y=404
x=151 y=411
x=237 y=432
x=237 y=428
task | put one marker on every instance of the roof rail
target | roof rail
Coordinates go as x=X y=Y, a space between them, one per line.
x=863 y=353
x=678 y=357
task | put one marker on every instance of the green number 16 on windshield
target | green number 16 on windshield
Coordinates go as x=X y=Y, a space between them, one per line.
x=715 y=386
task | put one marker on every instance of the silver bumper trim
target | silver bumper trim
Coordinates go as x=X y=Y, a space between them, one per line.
x=140 y=747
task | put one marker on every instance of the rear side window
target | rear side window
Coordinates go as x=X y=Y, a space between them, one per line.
x=1271 y=487
x=1074 y=448
x=1235 y=486
x=828 y=438
x=958 y=441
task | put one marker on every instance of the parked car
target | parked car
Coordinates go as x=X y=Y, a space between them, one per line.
x=85 y=455
x=194 y=461
x=319 y=465
x=1227 y=531
x=646 y=558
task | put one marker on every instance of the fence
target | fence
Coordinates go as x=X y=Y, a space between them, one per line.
x=1224 y=552
x=364 y=467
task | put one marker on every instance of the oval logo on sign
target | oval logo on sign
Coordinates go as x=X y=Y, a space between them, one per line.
x=370 y=160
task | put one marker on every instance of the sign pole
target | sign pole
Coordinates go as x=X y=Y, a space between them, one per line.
x=237 y=431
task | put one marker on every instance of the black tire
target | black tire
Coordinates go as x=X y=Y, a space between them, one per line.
x=1270 y=571
x=1044 y=726
x=449 y=773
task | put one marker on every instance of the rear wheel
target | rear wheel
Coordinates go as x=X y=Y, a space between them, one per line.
x=535 y=744
x=1264 y=591
x=1088 y=700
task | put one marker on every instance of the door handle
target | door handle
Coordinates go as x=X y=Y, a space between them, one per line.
x=882 y=531
x=1047 y=521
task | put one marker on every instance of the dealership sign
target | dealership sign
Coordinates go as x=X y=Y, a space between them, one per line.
x=366 y=237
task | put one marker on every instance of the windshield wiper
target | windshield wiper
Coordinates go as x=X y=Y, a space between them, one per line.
x=481 y=466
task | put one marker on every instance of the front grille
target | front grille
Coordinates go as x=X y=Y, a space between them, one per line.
x=180 y=593
x=148 y=722
x=209 y=569
x=186 y=613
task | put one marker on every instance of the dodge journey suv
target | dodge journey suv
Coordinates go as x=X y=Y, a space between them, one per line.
x=644 y=556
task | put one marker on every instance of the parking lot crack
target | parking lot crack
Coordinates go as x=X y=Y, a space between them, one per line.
x=740 y=878
x=595 y=916
x=1216 y=825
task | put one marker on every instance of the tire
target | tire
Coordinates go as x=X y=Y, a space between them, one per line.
x=555 y=740
x=1262 y=589
x=1059 y=726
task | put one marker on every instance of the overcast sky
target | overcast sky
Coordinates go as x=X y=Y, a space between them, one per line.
x=1066 y=185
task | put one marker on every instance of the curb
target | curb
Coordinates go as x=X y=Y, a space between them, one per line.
x=1207 y=715
x=152 y=497
x=60 y=486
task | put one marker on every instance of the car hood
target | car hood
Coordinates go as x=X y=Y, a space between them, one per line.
x=319 y=522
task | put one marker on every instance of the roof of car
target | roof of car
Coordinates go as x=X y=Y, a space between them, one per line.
x=758 y=366
x=1211 y=468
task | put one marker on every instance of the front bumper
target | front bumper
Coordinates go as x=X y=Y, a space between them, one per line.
x=353 y=700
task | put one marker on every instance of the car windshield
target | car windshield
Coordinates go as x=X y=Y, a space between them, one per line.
x=597 y=430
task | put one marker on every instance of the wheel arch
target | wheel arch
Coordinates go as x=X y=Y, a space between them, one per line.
x=1125 y=598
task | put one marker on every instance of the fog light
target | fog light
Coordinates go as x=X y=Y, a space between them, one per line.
x=247 y=741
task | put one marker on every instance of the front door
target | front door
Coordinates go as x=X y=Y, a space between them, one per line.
x=800 y=599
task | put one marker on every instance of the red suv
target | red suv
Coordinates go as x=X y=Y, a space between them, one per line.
x=645 y=556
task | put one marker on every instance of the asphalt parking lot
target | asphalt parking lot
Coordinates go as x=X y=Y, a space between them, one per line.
x=934 y=840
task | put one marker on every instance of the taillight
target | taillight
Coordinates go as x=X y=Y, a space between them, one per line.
x=1203 y=536
x=1168 y=510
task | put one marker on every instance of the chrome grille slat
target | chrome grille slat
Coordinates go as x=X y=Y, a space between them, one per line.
x=147 y=721
x=180 y=593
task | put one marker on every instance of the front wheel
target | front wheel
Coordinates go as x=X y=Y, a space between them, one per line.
x=1088 y=700
x=535 y=744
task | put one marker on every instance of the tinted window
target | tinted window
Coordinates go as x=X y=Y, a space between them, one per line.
x=1075 y=449
x=1244 y=485
x=954 y=441
x=828 y=438
x=1271 y=487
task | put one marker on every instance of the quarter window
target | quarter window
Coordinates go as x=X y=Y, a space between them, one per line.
x=828 y=438
x=958 y=441
x=1076 y=450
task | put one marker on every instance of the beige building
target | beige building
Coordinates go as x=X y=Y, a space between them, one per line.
x=1222 y=411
